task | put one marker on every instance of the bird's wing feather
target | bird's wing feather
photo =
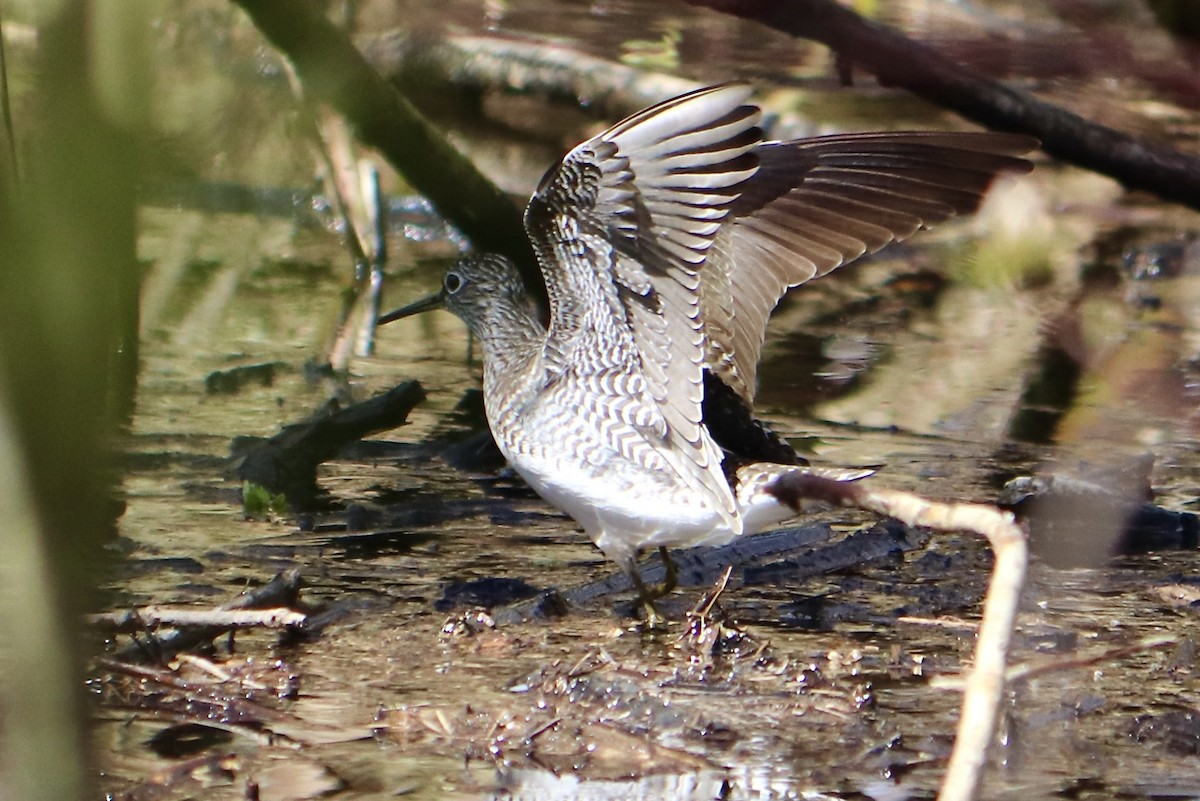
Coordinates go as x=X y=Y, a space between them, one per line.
x=816 y=204
x=622 y=228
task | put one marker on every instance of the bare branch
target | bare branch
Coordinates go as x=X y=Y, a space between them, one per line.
x=985 y=682
x=136 y=621
x=898 y=61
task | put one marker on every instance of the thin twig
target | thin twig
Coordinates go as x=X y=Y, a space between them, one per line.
x=540 y=730
x=335 y=158
x=372 y=194
x=951 y=623
x=985 y=682
x=705 y=605
x=283 y=590
x=212 y=668
x=149 y=617
x=1030 y=670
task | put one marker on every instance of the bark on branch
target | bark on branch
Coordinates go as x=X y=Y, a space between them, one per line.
x=898 y=61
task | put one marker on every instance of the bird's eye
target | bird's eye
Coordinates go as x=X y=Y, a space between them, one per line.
x=453 y=282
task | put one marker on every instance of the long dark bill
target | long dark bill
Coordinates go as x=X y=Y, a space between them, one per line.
x=422 y=305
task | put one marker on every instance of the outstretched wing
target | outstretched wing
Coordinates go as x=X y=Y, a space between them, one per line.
x=622 y=228
x=816 y=204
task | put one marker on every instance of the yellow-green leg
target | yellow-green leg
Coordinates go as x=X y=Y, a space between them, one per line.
x=648 y=595
x=671 y=576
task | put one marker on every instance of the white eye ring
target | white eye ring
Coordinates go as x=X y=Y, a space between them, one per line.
x=453 y=282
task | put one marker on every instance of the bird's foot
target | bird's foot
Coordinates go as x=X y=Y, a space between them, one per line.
x=647 y=595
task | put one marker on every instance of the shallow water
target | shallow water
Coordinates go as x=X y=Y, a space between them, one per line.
x=920 y=360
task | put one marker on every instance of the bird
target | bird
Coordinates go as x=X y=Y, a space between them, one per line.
x=664 y=243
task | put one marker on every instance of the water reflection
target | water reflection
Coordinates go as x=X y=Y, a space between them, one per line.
x=916 y=359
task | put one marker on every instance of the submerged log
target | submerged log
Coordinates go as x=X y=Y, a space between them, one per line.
x=287 y=462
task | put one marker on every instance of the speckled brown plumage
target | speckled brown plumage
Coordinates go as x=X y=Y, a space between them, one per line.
x=665 y=242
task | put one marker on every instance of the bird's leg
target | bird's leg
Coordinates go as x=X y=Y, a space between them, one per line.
x=646 y=596
x=671 y=576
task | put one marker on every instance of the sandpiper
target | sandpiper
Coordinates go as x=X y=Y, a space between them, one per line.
x=665 y=242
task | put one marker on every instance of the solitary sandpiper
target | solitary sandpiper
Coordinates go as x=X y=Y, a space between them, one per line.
x=665 y=242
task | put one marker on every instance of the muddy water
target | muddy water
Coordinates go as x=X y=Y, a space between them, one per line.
x=920 y=360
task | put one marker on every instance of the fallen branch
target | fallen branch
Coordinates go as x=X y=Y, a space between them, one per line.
x=985 y=682
x=287 y=462
x=283 y=591
x=136 y=621
x=898 y=61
